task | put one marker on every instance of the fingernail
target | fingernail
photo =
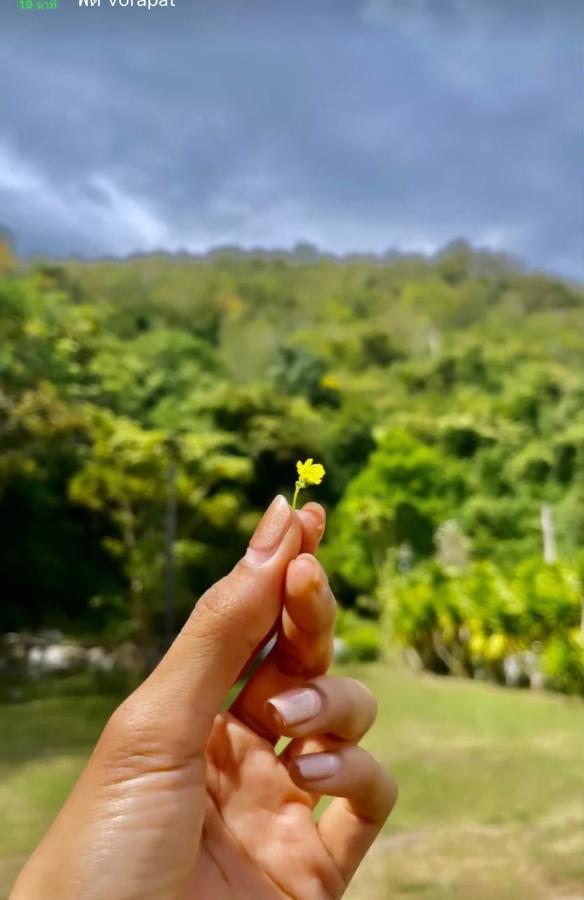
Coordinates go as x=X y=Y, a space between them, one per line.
x=306 y=565
x=269 y=533
x=315 y=516
x=297 y=705
x=315 y=766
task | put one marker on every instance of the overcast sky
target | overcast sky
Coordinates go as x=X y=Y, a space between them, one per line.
x=353 y=124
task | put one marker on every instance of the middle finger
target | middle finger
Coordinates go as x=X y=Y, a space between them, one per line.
x=342 y=708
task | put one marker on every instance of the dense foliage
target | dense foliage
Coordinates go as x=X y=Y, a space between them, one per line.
x=516 y=625
x=434 y=391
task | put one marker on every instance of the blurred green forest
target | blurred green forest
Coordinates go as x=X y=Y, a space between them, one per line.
x=444 y=396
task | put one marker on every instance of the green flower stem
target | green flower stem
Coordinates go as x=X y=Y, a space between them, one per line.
x=298 y=487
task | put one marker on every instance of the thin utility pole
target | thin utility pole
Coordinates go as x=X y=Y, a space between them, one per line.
x=549 y=539
x=169 y=544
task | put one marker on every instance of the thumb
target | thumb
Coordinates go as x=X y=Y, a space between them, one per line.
x=189 y=685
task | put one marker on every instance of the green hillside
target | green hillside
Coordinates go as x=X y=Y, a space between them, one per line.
x=444 y=397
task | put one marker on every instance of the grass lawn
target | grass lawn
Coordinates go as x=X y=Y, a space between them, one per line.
x=491 y=786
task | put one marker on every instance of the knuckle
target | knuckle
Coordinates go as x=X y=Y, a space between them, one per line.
x=305 y=656
x=129 y=726
x=391 y=792
x=140 y=738
x=382 y=791
x=365 y=701
x=373 y=708
x=216 y=602
x=228 y=607
x=318 y=658
x=122 y=721
x=329 y=611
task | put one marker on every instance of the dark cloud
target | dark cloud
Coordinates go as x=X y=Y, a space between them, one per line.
x=357 y=125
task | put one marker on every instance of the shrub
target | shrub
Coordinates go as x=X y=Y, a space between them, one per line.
x=563 y=662
x=470 y=623
x=362 y=638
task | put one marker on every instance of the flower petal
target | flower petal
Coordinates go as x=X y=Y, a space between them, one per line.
x=310 y=472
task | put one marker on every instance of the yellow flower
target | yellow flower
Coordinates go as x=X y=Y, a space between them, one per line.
x=309 y=473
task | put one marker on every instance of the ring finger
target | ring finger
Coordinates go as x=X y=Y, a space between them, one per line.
x=365 y=795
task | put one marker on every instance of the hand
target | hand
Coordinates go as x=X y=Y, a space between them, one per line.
x=180 y=800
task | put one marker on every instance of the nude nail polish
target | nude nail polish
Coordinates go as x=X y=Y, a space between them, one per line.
x=296 y=706
x=270 y=531
x=317 y=766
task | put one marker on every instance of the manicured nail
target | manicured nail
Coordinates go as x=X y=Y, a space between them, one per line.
x=315 y=515
x=296 y=706
x=269 y=533
x=316 y=766
x=306 y=566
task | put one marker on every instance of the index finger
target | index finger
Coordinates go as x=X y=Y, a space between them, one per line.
x=312 y=519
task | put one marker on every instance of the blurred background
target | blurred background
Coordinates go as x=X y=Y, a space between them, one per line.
x=237 y=235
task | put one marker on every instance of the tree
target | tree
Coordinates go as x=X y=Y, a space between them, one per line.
x=406 y=489
x=124 y=478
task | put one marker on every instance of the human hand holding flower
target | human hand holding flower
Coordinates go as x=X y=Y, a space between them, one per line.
x=181 y=800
